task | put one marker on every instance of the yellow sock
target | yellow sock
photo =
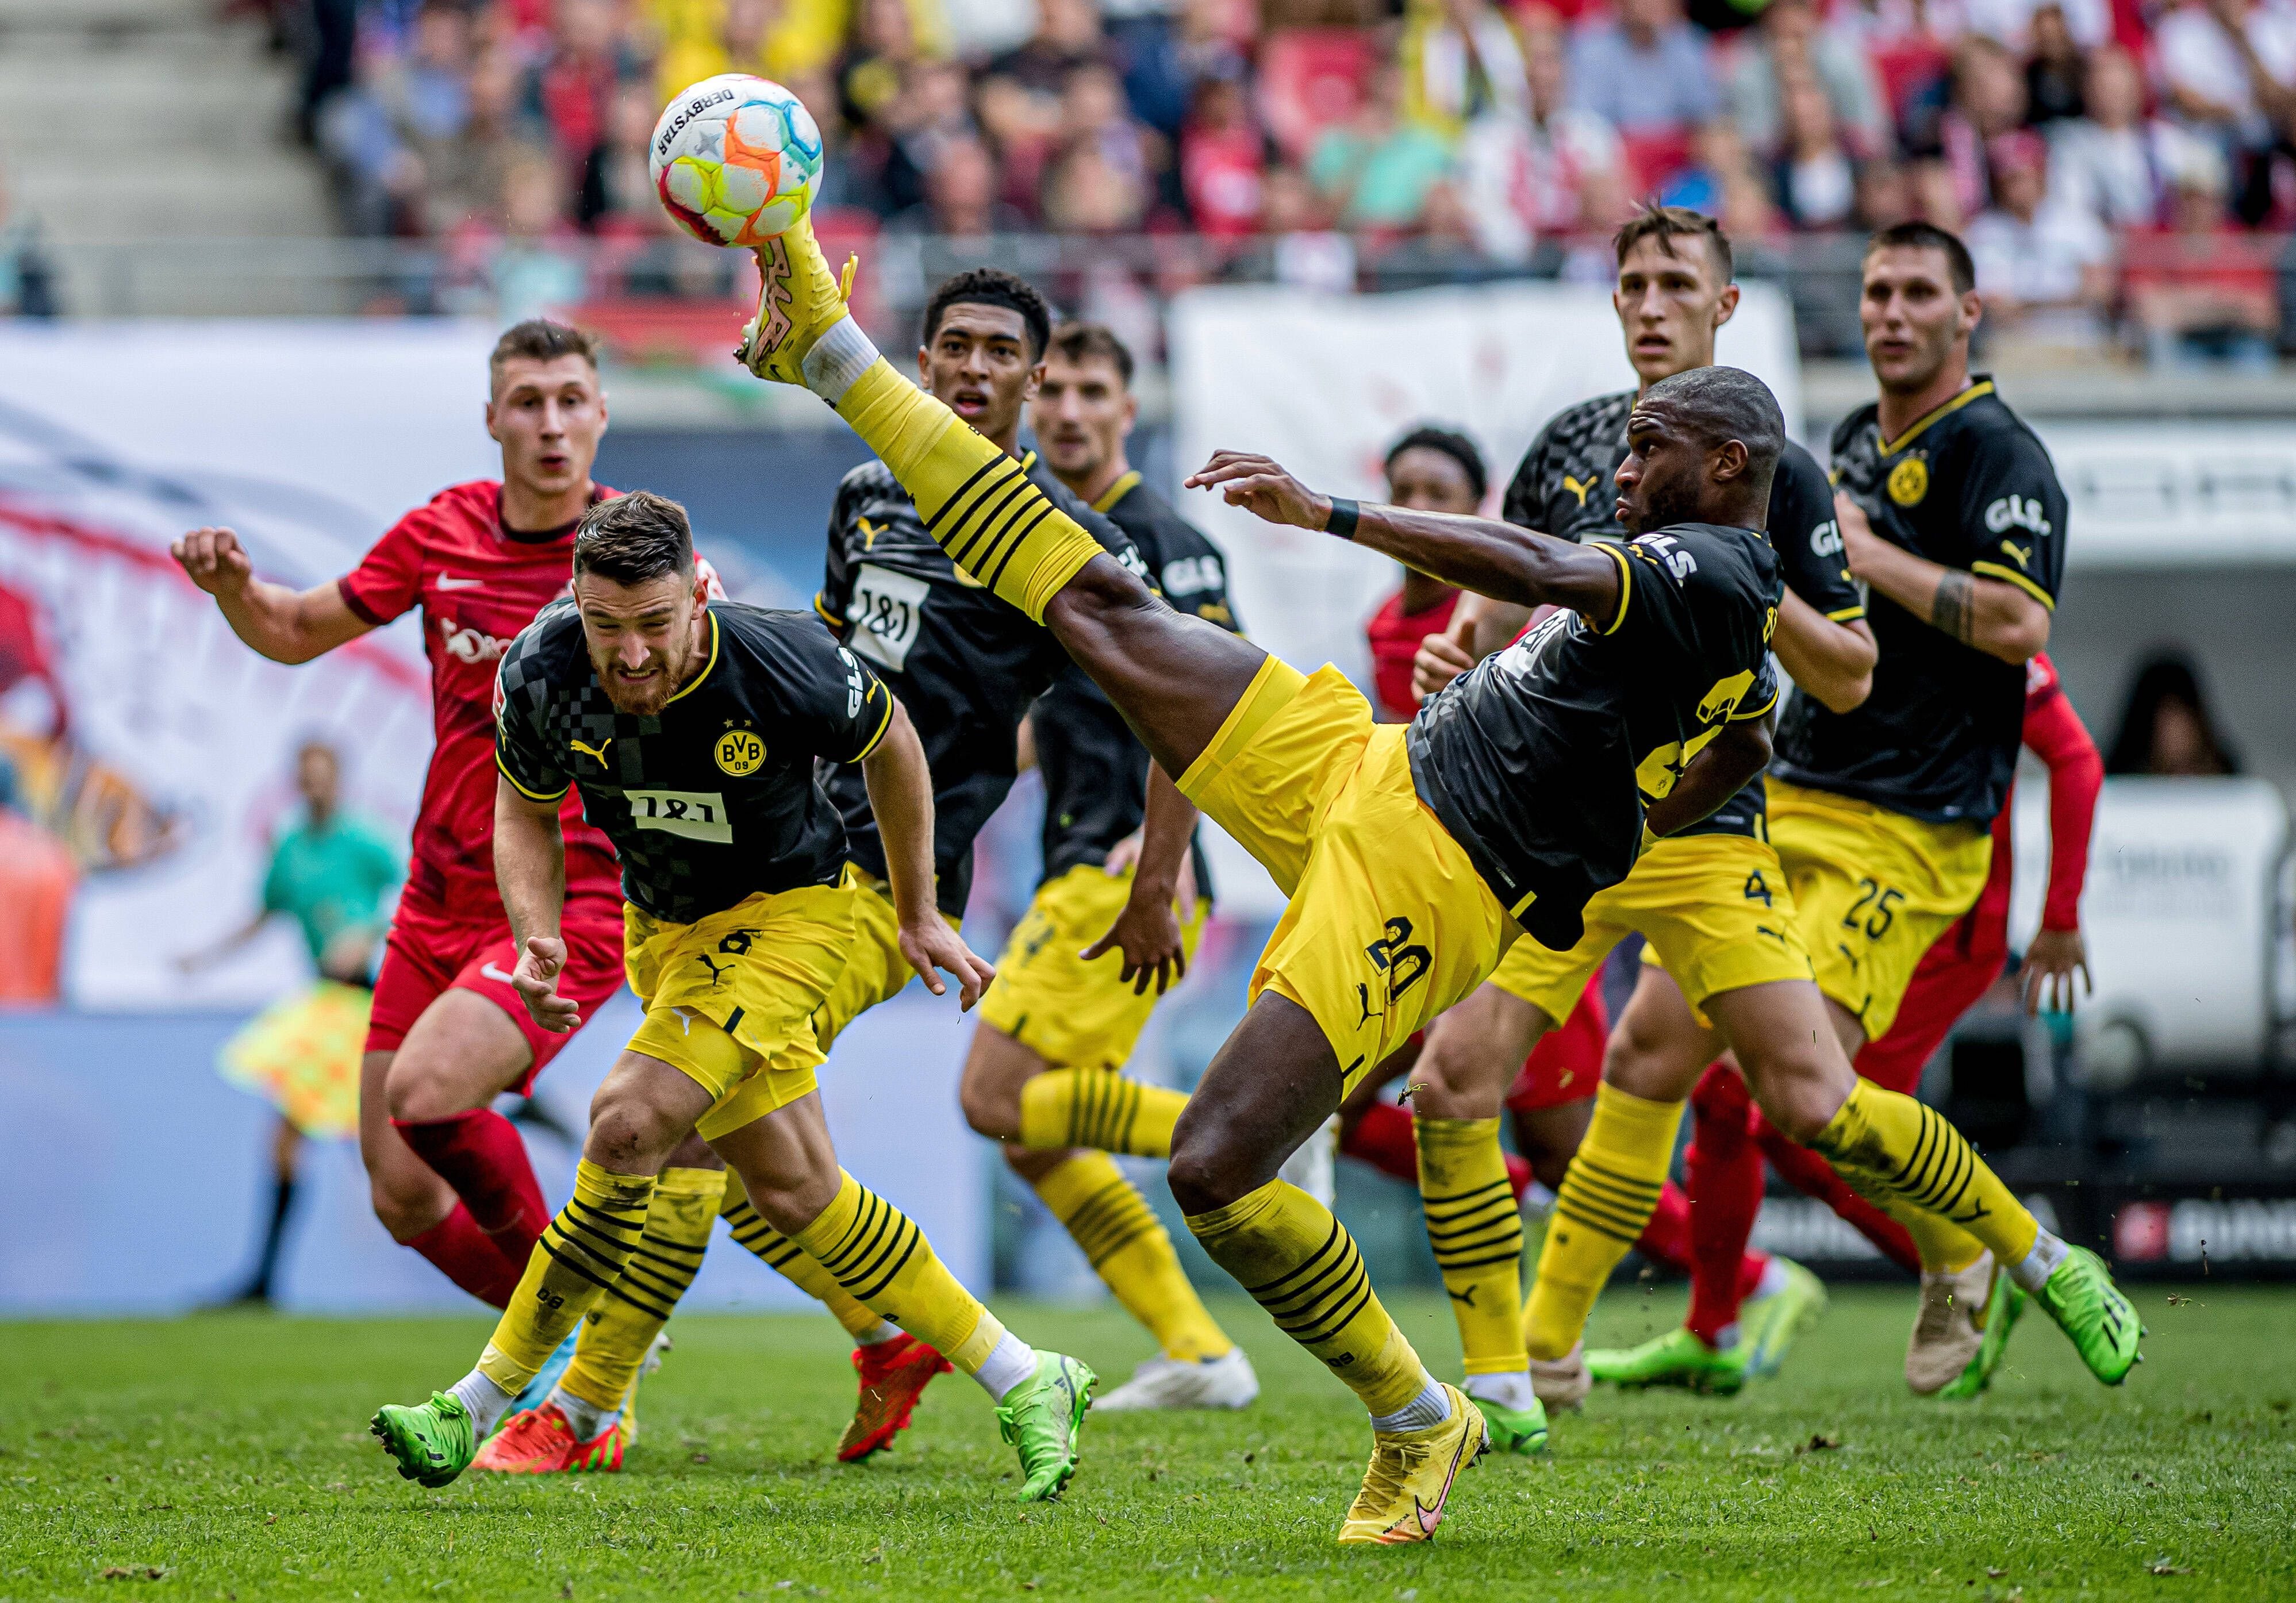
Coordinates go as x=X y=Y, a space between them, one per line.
x=1094 y=1107
x=881 y=1257
x=1607 y=1197
x=974 y=498
x=1477 y=1233
x=1300 y=1263
x=581 y=1252
x=619 y=1331
x=1129 y=1249
x=787 y=1259
x=1894 y=1147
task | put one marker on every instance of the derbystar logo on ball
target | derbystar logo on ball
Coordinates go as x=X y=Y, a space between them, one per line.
x=736 y=160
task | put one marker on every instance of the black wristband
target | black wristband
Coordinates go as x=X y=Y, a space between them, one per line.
x=1343 y=523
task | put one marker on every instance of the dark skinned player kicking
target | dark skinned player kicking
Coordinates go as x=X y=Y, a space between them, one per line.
x=1415 y=857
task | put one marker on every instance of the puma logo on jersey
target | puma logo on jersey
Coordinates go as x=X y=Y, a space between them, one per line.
x=2017 y=511
x=1580 y=487
x=596 y=754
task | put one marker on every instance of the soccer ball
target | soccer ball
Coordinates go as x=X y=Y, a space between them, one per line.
x=735 y=159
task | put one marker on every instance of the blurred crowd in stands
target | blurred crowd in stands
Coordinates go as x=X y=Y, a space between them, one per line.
x=2120 y=167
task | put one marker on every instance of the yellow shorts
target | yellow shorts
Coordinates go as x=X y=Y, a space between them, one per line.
x=729 y=999
x=1387 y=923
x=1071 y=1013
x=1872 y=889
x=872 y=968
x=1714 y=908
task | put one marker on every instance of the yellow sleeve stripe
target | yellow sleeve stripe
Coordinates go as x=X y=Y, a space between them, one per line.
x=1996 y=570
x=1626 y=583
x=1848 y=615
x=1742 y=712
x=821 y=606
x=884 y=724
x=522 y=791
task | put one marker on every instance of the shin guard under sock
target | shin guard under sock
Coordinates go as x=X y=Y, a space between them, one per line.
x=1898 y=1151
x=1097 y=1109
x=879 y=1257
x=581 y=1252
x=482 y=1155
x=1813 y=1176
x=1382 y=1136
x=1297 y=1262
x=620 y=1331
x=787 y=1259
x=1606 y=1198
x=1130 y=1250
x=1477 y=1235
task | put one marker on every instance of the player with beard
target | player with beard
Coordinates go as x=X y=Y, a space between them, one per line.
x=693 y=728
x=1413 y=857
x=448 y=1177
x=1044 y=1074
x=1705 y=898
x=966 y=666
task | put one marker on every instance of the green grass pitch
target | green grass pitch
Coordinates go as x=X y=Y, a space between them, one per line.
x=226 y=1458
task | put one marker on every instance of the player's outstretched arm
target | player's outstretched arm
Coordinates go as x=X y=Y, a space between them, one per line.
x=1832 y=661
x=530 y=868
x=1988 y=614
x=286 y=625
x=900 y=796
x=1148 y=930
x=1736 y=754
x=1482 y=554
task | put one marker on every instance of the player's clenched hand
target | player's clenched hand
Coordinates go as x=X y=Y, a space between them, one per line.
x=540 y=962
x=1858 y=535
x=1441 y=658
x=215 y=560
x=932 y=946
x=1260 y=485
x=1147 y=933
x=2046 y=976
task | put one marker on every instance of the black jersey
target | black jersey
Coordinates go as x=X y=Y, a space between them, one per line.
x=965 y=664
x=713 y=798
x=1566 y=478
x=1971 y=487
x=1540 y=759
x=1095 y=771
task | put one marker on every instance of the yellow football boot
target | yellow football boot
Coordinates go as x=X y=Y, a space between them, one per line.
x=799 y=300
x=1411 y=1474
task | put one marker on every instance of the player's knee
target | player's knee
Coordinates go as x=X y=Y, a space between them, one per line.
x=416 y=1093
x=628 y=1134
x=1460 y=1076
x=1209 y=1169
x=992 y=1108
x=1800 y=1093
x=791 y=1202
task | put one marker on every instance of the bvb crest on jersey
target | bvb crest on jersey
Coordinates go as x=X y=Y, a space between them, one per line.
x=740 y=752
x=1909 y=481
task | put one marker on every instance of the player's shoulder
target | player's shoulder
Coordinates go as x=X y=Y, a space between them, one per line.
x=1797 y=467
x=548 y=650
x=769 y=633
x=1863 y=423
x=455 y=513
x=1720 y=558
x=1157 y=528
x=1039 y=472
x=1989 y=426
x=1596 y=417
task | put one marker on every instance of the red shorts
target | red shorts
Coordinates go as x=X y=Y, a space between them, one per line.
x=1960 y=967
x=1567 y=1063
x=430 y=953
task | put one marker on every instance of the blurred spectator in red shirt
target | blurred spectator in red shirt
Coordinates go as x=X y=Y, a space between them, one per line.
x=569 y=93
x=1531 y=173
x=1645 y=70
x=2201 y=291
x=2115 y=162
x=1792 y=43
x=1222 y=151
x=2043 y=267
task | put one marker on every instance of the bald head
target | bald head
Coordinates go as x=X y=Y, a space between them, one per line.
x=1720 y=433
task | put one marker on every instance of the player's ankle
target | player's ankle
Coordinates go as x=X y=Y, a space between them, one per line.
x=1424 y=1411
x=584 y=1417
x=1010 y=1362
x=2032 y=1271
x=1774 y=1280
x=484 y=1400
x=838 y=358
x=1511 y=1389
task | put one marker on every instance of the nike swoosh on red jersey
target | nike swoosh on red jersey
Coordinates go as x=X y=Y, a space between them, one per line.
x=496 y=974
x=447 y=581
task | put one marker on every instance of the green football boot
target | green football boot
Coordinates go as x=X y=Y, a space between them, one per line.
x=2002 y=1309
x=1768 y=1326
x=1041 y=1417
x=2089 y=1307
x=433 y=1441
x=1677 y=1358
x=1514 y=1429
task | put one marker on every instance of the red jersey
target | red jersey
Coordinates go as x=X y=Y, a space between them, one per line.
x=2055 y=733
x=1395 y=635
x=478 y=584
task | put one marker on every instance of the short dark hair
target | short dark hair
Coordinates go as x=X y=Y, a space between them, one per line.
x=1725 y=403
x=539 y=339
x=1929 y=236
x=634 y=539
x=1080 y=342
x=1451 y=443
x=1667 y=223
x=993 y=287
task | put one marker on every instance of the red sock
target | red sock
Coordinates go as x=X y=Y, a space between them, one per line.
x=1807 y=1172
x=480 y=1154
x=1723 y=1169
x=1383 y=1137
x=468 y=1256
x=1667 y=1237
